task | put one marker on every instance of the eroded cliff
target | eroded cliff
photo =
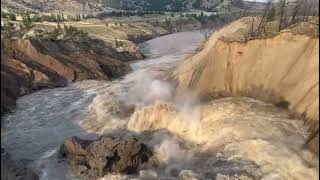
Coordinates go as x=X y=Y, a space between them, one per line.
x=30 y=65
x=282 y=69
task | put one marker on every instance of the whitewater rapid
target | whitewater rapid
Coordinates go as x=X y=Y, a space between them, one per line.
x=230 y=138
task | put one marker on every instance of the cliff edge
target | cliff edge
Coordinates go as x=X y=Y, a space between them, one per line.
x=281 y=68
x=31 y=65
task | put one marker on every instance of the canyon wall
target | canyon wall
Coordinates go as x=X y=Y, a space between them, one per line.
x=31 y=65
x=282 y=69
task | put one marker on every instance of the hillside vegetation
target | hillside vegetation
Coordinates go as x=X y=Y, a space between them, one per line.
x=99 y=5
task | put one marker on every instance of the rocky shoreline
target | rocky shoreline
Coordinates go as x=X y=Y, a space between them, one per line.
x=28 y=66
x=31 y=65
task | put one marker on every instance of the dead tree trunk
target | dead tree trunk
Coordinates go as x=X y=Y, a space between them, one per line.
x=295 y=12
x=264 y=18
x=251 y=29
x=314 y=8
x=305 y=12
x=282 y=8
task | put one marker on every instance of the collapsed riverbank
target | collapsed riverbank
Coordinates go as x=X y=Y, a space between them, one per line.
x=189 y=137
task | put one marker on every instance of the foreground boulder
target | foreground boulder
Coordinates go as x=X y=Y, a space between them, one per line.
x=92 y=159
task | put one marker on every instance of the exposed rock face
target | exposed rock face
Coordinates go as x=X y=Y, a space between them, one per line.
x=11 y=170
x=283 y=69
x=30 y=65
x=92 y=159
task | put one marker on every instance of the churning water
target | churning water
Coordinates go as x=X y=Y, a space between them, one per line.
x=230 y=138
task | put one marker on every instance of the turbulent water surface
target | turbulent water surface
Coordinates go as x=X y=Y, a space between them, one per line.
x=237 y=138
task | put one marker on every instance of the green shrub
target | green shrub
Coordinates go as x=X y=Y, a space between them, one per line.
x=36 y=18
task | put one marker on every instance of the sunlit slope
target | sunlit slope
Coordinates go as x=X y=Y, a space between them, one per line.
x=282 y=69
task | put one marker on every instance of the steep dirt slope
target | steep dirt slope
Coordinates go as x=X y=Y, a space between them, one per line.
x=282 y=69
x=30 y=65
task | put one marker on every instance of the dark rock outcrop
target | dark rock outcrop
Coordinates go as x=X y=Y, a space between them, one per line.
x=92 y=159
x=12 y=170
x=31 y=65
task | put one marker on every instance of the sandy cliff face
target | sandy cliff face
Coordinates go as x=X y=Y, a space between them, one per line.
x=282 y=69
x=236 y=128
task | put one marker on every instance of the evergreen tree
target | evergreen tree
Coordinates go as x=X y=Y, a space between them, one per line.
x=12 y=16
x=26 y=20
x=58 y=18
x=53 y=18
x=4 y=14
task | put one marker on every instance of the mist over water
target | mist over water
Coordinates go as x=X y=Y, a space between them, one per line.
x=42 y=120
x=235 y=138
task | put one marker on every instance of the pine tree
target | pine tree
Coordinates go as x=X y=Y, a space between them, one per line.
x=12 y=16
x=58 y=17
x=4 y=14
x=26 y=20
x=52 y=18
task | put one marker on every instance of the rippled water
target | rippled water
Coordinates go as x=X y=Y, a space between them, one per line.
x=42 y=120
x=230 y=138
